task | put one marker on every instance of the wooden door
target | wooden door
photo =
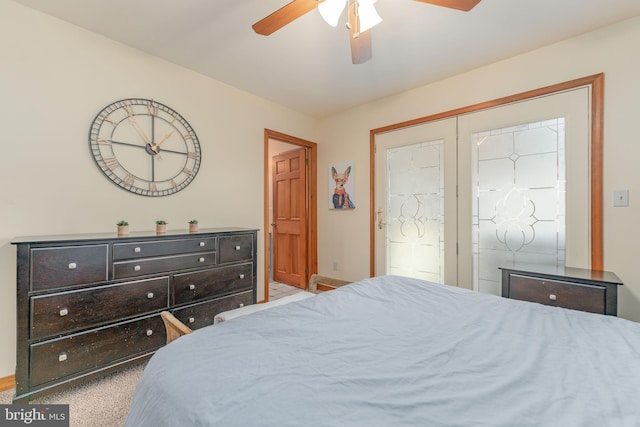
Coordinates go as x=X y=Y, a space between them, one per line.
x=290 y=218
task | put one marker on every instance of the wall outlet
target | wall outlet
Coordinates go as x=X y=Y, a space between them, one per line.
x=335 y=265
x=621 y=198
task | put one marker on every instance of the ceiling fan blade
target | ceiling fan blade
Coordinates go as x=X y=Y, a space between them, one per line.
x=283 y=16
x=465 y=5
x=361 y=44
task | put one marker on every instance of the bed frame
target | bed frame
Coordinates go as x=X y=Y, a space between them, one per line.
x=175 y=328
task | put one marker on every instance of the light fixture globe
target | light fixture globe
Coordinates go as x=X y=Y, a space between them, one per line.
x=330 y=10
x=367 y=15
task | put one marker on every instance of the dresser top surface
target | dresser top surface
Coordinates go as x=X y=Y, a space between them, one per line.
x=566 y=272
x=132 y=236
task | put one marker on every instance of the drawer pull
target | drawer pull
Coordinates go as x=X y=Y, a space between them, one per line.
x=64 y=312
x=238 y=248
x=192 y=287
x=150 y=295
x=192 y=319
x=149 y=332
x=201 y=259
x=241 y=276
x=72 y=266
x=201 y=243
x=136 y=268
x=552 y=297
x=136 y=250
x=62 y=357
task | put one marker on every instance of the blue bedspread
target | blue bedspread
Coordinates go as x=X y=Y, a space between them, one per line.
x=393 y=351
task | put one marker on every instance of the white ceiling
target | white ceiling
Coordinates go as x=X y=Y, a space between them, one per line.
x=307 y=64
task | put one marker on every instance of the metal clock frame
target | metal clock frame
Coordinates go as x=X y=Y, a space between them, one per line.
x=126 y=112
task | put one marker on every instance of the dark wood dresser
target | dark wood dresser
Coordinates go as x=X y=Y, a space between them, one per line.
x=89 y=305
x=567 y=287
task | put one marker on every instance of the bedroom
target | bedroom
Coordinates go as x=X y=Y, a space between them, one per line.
x=52 y=89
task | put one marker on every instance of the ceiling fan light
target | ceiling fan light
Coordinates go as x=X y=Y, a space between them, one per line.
x=330 y=10
x=368 y=15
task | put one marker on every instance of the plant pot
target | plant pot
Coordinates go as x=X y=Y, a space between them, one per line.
x=123 y=230
x=193 y=228
x=161 y=228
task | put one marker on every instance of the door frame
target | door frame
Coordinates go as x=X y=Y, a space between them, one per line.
x=311 y=198
x=595 y=82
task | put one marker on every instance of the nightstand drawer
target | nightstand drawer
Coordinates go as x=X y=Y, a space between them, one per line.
x=63 y=357
x=202 y=314
x=558 y=293
x=236 y=248
x=68 y=266
x=142 y=267
x=135 y=250
x=190 y=287
x=88 y=308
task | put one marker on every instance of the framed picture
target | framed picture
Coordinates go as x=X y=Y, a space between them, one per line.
x=342 y=194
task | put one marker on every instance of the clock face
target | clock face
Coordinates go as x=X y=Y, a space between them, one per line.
x=145 y=147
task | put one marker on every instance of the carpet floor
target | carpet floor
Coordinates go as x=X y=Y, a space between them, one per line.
x=100 y=403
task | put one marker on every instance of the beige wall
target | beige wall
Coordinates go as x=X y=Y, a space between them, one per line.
x=612 y=50
x=54 y=79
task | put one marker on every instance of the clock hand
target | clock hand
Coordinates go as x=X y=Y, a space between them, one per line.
x=154 y=147
x=164 y=138
x=135 y=124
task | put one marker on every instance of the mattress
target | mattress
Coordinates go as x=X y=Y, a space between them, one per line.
x=392 y=351
x=248 y=309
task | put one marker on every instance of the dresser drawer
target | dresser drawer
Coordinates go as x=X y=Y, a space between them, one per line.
x=68 y=265
x=189 y=287
x=88 y=308
x=236 y=248
x=73 y=354
x=134 y=250
x=558 y=293
x=202 y=314
x=142 y=267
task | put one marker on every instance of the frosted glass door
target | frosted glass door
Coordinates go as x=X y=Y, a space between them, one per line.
x=458 y=198
x=519 y=208
x=524 y=170
x=415 y=182
x=415 y=211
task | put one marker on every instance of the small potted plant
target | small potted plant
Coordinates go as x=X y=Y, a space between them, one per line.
x=161 y=226
x=193 y=226
x=123 y=228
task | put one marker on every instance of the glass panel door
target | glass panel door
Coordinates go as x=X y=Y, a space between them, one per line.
x=458 y=198
x=524 y=187
x=518 y=174
x=415 y=211
x=415 y=192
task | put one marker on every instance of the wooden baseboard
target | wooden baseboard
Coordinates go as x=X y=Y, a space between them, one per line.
x=7 y=383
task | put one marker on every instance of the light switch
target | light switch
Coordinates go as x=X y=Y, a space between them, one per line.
x=621 y=198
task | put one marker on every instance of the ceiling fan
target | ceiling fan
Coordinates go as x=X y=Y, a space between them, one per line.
x=359 y=34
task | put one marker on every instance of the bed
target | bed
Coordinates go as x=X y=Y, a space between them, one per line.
x=392 y=351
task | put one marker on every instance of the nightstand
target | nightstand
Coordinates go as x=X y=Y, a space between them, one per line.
x=575 y=288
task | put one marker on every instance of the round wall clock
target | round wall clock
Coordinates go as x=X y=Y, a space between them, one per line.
x=145 y=147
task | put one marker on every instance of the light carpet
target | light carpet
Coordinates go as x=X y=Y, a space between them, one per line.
x=100 y=403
